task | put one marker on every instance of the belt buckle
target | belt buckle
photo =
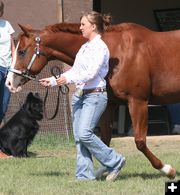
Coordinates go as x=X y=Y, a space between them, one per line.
x=79 y=92
x=101 y=89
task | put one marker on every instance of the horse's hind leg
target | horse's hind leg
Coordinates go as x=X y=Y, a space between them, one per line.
x=105 y=123
x=139 y=115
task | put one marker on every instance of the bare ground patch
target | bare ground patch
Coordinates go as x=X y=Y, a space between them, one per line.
x=165 y=143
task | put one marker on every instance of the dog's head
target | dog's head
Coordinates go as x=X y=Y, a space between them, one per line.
x=34 y=106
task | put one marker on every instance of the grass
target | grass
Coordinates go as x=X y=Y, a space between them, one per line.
x=51 y=168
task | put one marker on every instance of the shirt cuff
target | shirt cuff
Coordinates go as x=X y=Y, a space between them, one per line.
x=68 y=79
x=53 y=81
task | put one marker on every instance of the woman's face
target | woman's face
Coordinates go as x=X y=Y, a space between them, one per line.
x=87 y=28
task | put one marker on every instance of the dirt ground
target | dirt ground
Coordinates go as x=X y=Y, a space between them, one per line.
x=157 y=144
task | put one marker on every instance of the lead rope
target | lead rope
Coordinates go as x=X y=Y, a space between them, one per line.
x=56 y=72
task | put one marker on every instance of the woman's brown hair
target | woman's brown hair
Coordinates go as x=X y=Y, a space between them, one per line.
x=101 y=21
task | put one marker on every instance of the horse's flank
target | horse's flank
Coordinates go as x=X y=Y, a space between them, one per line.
x=147 y=57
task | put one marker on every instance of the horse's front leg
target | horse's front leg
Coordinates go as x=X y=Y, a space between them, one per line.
x=106 y=121
x=139 y=115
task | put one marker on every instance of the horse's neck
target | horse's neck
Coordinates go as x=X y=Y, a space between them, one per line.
x=64 y=46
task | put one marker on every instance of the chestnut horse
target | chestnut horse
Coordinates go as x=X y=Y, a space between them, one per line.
x=144 y=68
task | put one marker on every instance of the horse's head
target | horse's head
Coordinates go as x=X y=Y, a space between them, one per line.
x=35 y=48
x=29 y=59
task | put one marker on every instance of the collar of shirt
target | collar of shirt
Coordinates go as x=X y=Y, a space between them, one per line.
x=98 y=36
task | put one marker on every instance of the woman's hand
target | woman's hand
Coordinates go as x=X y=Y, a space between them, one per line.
x=61 y=80
x=48 y=82
x=52 y=81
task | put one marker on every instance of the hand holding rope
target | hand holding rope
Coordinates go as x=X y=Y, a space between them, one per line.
x=56 y=72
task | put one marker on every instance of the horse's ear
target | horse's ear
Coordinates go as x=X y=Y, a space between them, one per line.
x=25 y=29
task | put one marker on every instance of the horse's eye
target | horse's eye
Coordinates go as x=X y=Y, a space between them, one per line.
x=21 y=52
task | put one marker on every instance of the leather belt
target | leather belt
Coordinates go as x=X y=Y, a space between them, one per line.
x=94 y=90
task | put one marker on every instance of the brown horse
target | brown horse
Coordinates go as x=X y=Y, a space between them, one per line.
x=144 y=68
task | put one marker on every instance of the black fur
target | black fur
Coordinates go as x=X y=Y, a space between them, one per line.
x=20 y=130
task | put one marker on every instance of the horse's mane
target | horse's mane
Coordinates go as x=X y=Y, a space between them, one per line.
x=64 y=27
x=125 y=26
x=74 y=27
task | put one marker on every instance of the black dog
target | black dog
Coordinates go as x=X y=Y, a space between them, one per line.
x=20 y=130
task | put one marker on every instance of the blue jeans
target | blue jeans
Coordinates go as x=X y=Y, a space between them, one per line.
x=87 y=110
x=4 y=93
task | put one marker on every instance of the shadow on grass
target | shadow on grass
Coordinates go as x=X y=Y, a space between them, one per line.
x=144 y=176
x=36 y=155
x=51 y=173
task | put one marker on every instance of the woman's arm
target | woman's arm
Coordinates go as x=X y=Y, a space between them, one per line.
x=12 y=47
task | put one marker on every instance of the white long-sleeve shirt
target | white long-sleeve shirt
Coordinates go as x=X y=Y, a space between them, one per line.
x=90 y=66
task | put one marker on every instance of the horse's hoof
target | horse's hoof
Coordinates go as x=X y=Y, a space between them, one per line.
x=172 y=173
x=169 y=171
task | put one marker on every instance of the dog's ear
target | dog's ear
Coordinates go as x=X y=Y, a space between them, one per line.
x=29 y=97
x=37 y=95
x=30 y=94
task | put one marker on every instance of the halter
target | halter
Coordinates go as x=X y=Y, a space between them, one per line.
x=37 y=53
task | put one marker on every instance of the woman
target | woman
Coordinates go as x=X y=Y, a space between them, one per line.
x=90 y=99
x=7 y=49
